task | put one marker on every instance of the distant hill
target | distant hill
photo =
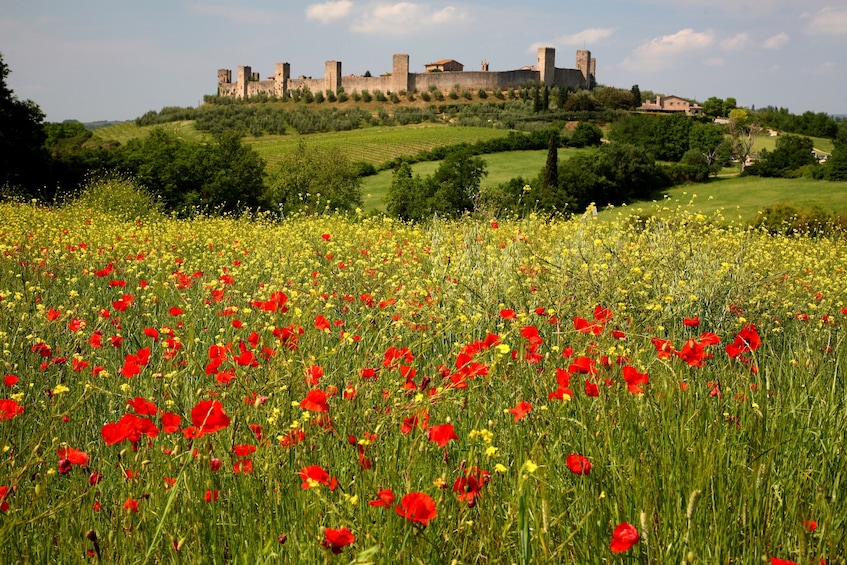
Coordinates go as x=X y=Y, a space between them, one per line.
x=100 y=124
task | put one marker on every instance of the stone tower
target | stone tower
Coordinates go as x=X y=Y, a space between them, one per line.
x=400 y=73
x=586 y=65
x=547 y=65
x=244 y=75
x=332 y=76
x=283 y=73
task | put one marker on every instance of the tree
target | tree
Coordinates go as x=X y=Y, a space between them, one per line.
x=636 y=96
x=23 y=158
x=221 y=177
x=792 y=152
x=314 y=180
x=406 y=197
x=836 y=165
x=456 y=183
x=708 y=140
x=550 y=182
x=743 y=134
x=713 y=107
x=670 y=137
x=586 y=134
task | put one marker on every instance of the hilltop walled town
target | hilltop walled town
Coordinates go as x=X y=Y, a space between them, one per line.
x=442 y=75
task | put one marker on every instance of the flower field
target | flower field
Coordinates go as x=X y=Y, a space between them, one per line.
x=336 y=390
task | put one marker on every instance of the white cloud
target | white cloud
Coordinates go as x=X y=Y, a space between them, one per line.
x=404 y=17
x=776 y=42
x=736 y=42
x=585 y=37
x=668 y=51
x=329 y=10
x=829 y=21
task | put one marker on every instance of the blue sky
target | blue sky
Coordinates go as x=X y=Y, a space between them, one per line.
x=116 y=59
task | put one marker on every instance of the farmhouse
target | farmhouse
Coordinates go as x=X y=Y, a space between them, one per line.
x=450 y=74
x=448 y=65
x=671 y=104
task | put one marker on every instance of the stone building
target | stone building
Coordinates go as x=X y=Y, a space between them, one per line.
x=248 y=83
x=671 y=104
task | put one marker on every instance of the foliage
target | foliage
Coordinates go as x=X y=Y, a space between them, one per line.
x=450 y=191
x=223 y=177
x=792 y=153
x=585 y=134
x=119 y=198
x=788 y=220
x=23 y=159
x=314 y=180
x=710 y=142
x=666 y=137
x=166 y=115
x=836 y=165
x=615 y=173
x=808 y=123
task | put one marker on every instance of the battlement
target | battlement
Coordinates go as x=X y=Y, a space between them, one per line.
x=249 y=84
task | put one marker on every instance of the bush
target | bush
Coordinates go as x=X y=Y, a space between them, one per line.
x=786 y=220
x=117 y=197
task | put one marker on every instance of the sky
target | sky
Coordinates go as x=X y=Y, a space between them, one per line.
x=117 y=59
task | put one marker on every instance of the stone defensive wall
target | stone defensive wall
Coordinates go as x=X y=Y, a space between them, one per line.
x=248 y=83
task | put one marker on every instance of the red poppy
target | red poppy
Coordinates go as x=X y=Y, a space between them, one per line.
x=142 y=406
x=469 y=486
x=442 y=434
x=664 y=348
x=385 y=497
x=131 y=504
x=633 y=378
x=623 y=538
x=170 y=422
x=578 y=464
x=10 y=380
x=508 y=314
x=321 y=323
x=211 y=495
x=4 y=492
x=591 y=389
x=314 y=373
x=778 y=561
x=74 y=456
x=315 y=475
x=417 y=507
x=9 y=409
x=243 y=449
x=208 y=416
x=691 y=322
x=337 y=540
x=584 y=326
x=810 y=525
x=292 y=438
x=746 y=340
x=521 y=410
x=315 y=401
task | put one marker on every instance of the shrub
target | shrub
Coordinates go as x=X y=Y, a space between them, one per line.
x=118 y=197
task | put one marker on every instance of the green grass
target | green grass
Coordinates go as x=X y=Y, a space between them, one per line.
x=740 y=199
x=125 y=131
x=501 y=167
x=765 y=141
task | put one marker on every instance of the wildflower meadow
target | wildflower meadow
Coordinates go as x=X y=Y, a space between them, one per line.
x=345 y=389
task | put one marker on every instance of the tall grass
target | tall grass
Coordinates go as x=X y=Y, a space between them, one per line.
x=721 y=463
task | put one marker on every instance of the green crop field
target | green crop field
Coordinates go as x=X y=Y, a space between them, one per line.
x=373 y=145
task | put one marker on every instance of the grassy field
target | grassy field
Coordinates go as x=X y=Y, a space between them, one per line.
x=374 y=145
x=740 y=199
x=336 y=390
